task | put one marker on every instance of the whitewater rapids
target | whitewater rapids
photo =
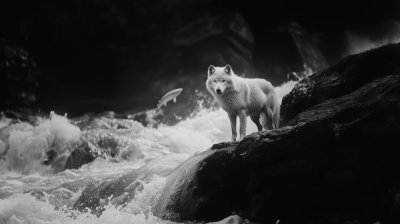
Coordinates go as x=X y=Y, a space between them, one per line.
x=165 y=147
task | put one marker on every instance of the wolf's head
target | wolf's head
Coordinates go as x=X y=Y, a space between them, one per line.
x=220 y=79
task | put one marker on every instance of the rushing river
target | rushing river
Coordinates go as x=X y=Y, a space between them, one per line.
x=147 y=152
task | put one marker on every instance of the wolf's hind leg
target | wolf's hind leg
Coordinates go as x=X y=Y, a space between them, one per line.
x=256 y=120
x=232 y=118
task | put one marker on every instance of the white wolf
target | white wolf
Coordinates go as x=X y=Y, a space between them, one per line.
x=244 y=97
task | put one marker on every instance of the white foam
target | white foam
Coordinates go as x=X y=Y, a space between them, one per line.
x=4 y=122
x=3 y=147
x=24 y=208
x=146 y=196
x=23 y=169
x=28 y=145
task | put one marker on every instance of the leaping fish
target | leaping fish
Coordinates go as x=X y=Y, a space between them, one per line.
x=171 y=95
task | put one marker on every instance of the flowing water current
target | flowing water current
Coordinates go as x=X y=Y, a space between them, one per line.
x=147 y=152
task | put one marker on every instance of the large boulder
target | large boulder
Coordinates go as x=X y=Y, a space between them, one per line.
x=84 y=153
x=336 y=161
x=203 y=187
x=348 y=75
x=340 y=158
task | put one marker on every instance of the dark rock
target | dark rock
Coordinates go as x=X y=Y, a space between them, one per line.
x=95 y=196
x=335 y=162
x=339 y=158
x=345 y=77
x=204 y=187
x=50 y=156
x=223 y=145
x=105 y=142
x=58 y=163
x=233 y=219
x=85 y=153
x=111 y=142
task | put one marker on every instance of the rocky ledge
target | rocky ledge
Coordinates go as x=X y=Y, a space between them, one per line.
x=335 y=160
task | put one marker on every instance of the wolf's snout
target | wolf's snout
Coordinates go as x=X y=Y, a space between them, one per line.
x=218 y=91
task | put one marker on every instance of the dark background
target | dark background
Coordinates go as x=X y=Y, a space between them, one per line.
x=75 y=57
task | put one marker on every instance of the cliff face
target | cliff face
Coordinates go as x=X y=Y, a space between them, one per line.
x=334 y=160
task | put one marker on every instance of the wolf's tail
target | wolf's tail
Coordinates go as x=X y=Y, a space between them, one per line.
x=270 y=115
x=269 y=120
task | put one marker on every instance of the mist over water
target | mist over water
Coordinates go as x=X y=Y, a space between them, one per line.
x=24 y=148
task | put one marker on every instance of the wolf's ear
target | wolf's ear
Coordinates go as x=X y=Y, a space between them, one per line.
x=228 y=69
x=211 y=70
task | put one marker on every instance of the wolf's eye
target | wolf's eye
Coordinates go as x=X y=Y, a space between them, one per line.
x=223 y=80
x=215 y=80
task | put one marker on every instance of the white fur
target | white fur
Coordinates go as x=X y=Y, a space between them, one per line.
x=244 y=97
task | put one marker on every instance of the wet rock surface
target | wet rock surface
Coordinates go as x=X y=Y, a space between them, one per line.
x=348 y=75
x=339 y=158
x=335 y=162
x=200 y=185
x=83 y=154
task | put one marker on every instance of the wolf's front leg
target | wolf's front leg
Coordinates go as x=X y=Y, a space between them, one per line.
x=243 y=120
x=232 y=118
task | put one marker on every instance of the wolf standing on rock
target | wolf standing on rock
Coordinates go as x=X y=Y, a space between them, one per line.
x=242 y=97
